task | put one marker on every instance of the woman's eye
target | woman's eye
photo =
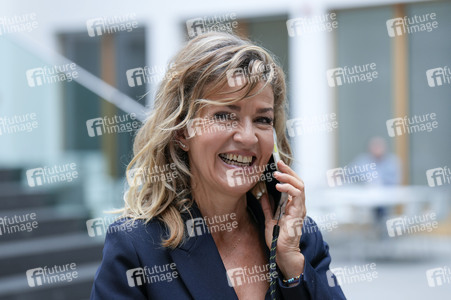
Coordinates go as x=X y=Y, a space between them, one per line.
x=265 y=120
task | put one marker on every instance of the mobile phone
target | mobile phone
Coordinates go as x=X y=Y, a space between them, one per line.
x=277 y=198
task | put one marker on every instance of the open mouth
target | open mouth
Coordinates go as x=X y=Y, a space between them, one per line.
x=237 y=160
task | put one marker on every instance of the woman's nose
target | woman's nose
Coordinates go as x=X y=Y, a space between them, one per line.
x=245 y=133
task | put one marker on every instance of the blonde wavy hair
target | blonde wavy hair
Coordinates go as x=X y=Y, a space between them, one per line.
x=198 y=70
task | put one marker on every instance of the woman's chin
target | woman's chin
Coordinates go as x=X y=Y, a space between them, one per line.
x=236 y=177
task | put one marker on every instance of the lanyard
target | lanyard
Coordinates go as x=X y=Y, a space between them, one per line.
x=272 y=257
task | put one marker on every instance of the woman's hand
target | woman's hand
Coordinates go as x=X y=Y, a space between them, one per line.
x=289 y=259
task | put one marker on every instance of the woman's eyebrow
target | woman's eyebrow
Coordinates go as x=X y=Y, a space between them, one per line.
x=263 y=110
x=260 y=110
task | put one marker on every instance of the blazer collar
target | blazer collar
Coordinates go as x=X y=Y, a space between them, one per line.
x=199 y=263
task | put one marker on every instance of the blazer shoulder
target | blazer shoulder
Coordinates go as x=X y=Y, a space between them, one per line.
x=136 y=232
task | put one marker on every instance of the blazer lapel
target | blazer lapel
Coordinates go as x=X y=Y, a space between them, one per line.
x=200 y=266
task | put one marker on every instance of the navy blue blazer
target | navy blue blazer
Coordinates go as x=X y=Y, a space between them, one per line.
x=136 y=266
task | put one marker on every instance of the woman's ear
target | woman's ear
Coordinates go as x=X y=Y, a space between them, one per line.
x=181 y=139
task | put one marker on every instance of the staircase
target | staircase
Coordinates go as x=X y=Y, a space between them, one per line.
x=56 y=235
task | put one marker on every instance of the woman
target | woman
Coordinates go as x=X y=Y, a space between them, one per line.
x=200 y=232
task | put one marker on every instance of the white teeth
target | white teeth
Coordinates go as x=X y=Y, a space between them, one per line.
x=238 y=158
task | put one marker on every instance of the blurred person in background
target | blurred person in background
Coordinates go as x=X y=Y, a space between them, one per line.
x=169 y=255
x=388 y=168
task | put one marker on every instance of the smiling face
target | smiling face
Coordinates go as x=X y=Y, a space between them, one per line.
x=232 y=139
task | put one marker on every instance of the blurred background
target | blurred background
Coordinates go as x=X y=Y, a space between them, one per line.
x=369 y=88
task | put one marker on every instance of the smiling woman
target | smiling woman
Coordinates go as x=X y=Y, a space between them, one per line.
x=214 y=119
x=201 y=89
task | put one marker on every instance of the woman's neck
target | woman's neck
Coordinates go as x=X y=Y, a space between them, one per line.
x=225 y=215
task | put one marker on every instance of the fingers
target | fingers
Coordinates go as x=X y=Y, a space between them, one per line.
x=286 y=178
x=284 y=168
x=293 y=186
x=289 y=189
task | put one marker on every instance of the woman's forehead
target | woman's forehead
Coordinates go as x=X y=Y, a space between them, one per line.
x=228 y=93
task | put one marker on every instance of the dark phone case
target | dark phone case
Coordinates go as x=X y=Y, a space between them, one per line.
x=271 y=182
